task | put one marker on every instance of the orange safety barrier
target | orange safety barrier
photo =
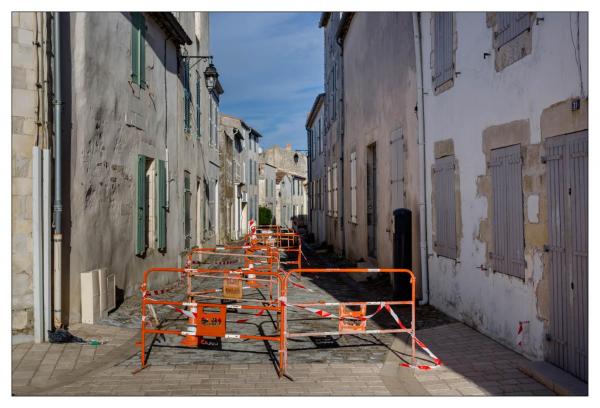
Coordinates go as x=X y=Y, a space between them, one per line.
x=208 y=318
x=261 y=263
x=355 y=321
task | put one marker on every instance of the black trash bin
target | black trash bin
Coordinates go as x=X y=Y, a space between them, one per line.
x=402 y=253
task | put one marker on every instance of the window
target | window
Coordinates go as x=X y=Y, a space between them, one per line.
x=353 y=217
x=187 y=217
x=334 y=189
x=206 y=213
x=333 y=91
x=186 y=95
x=445 y=207
x=151 y=220
x=319 y=139
x=507 y=211
x=213 y=122
x=329 y=204
x=199 y=211
x=198 y=113
x=509 y=26
x=138 y=49
x=443 y=48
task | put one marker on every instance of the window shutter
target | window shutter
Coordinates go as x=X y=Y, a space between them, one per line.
x=186 y=94
x=445 y=207
x=397 y=169
x=509 y=25
x=198 y=124
x=140 y=237
x=135 y=51
x=443 y=48
x=142 y=47
x=353 y=217
x=335 y=190
x=507 y=211
x=162 y=206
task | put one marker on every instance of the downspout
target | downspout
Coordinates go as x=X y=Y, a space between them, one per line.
x=423 y=175
x=168 y=189
x=57 y=237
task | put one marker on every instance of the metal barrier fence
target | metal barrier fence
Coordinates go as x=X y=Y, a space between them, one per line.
x=261 y=268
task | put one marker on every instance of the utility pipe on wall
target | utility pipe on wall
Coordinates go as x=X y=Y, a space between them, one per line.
x=47 y=221
x=423 y=163
x=57 y=237
x=37 y=272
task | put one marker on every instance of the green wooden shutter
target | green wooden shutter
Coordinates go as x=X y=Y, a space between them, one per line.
x=162 y=206
x=135 y=51
x=140 y=238
x=142 y=48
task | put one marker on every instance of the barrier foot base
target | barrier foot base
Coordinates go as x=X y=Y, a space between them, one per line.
x=137 y=370
x=189 y=341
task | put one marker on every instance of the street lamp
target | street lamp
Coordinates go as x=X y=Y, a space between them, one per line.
x=211 y=75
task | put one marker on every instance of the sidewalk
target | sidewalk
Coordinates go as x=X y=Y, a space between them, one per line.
x=474 y=365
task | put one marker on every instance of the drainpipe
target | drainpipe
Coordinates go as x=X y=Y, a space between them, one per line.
x=423 y=175
x=57 y=207
x=37 y=275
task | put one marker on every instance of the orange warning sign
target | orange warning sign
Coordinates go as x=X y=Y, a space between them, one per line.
x=232 y=287
x=352 y=321
x=211 y=321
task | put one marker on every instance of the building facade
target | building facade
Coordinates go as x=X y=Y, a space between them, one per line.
x=506 y=148
x=137 y=125
x=380 y=138
x=291 y=196
x=245 y=143
x=477 y=123
x=331 y=144
x=317 y=207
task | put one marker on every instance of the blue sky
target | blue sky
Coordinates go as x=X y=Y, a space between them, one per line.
x=271 y=67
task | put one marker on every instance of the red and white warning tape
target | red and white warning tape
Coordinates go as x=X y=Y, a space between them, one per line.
x=381 y=305
x=422 y=345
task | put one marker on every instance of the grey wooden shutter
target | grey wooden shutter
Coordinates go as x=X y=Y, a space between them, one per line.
x=186 y=95
x=397 y=169
x=507 y=211
x=443 y=47
x=445 y=207
x=509 y=26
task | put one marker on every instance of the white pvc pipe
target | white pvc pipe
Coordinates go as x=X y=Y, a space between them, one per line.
x=422 y=174
x=37 y=272
x=47 y=220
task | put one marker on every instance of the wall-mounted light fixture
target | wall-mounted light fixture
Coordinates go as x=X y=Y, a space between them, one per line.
x=211 y=75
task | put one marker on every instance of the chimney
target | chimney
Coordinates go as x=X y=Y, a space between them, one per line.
x=288 y=147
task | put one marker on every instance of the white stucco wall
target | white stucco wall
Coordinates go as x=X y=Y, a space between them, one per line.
x=494 y=303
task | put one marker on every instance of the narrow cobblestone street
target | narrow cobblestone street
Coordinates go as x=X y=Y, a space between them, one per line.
x=353 y=365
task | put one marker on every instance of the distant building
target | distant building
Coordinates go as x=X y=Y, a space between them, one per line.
x=331 y=142
x=291 y=195
x=266 y=185
x=317 y=173
x=242 y=194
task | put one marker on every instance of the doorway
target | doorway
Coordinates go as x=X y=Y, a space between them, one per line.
x=567 y=186
x=372 y=200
